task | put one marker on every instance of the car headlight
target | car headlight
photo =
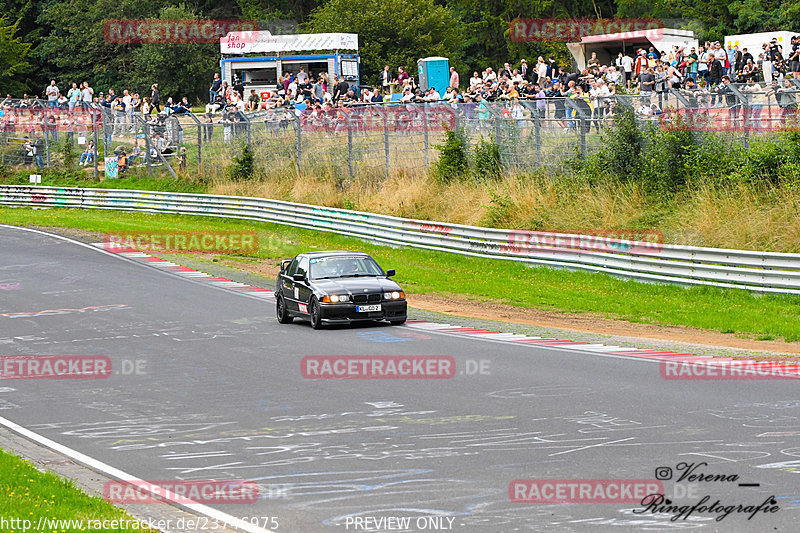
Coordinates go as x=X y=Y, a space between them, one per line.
x=336 y=298
x=395 y=295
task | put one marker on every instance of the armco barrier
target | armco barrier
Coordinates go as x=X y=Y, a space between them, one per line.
x=766 y=272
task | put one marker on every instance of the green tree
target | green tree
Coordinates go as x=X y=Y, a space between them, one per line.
x=76 y=49
x=397 y=32
x=179 y=69
x=13 y=62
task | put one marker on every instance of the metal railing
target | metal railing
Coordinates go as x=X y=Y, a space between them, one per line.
x=764 y=272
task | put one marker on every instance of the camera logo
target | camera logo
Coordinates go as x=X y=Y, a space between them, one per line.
x=663 y=473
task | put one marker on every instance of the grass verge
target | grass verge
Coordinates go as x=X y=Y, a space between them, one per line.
x=421 y=271
x=26 y=494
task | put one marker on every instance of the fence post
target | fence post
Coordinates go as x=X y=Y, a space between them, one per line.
x=581 y=125
x=299 y=140
x=349 y=147
x=147 y=146
x=425 y=132
x=537 y=137
x=94 y=138
x=47 y=148
x=386 y=142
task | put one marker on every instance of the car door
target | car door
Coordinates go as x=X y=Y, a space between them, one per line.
x=302 y=289
x=288 y=285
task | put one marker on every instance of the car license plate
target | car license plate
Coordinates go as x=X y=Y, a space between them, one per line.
x=368 y=308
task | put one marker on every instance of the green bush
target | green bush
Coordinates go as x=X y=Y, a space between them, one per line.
x=623 y=146
x=243 y=166
x=67 y=155
x=453 y=163
x=486 y=159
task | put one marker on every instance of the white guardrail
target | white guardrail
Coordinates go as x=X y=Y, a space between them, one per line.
x=767 y=272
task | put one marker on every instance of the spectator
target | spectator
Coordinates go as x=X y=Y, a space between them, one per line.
x=38 y=150
x=87 y=156
x=87 y=93
x=155 y=99
x=386 y=80
x=52 y=94
x=454 y=81
x=213 y=91
x=647 y=82
x=253 y=100
x=73 y=97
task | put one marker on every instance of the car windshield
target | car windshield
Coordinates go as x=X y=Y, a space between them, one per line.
x=344 y=266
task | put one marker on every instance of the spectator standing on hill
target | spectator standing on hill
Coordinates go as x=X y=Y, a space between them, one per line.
x=87 y=93
x=155 y=99
x=74 y=96
x=627 y=67
x=213 y=91
x=454 y=81
x=386 y=80
x=52 y=94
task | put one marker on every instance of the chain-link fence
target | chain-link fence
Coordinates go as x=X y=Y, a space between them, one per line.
x=374 y=140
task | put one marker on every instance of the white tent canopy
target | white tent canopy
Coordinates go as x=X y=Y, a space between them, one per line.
x=607 y=46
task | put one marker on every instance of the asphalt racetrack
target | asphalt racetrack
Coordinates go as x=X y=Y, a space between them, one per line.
x=206 y=385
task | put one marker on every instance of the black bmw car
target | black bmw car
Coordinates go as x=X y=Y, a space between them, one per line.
x=337 y=288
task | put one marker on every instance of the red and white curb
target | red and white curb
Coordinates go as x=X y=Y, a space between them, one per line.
x=186 y=272
x=437 y=327
x=786 y=368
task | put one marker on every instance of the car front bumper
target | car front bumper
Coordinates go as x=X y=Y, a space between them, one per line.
x=346 y=313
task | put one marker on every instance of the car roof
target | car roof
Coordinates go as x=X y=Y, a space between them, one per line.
x=333 y=253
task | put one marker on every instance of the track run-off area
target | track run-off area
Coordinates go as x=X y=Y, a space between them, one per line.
x=204 y=384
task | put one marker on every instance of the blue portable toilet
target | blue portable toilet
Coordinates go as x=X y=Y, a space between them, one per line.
x=434 y=72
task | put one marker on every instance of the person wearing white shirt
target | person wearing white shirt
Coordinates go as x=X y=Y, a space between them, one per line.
x=475 y=80
x=627 y=65
x=541 y=68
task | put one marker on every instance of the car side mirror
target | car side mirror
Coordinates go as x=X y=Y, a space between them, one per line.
x=299 y=277
x=284 y=264
x=390 y=273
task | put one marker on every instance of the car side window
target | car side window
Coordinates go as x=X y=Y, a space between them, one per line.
x=302 y=268
x=292 y=268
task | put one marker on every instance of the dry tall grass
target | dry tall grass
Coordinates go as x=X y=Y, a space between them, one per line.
x=742 y=216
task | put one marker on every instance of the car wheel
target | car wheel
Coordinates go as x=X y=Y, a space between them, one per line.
x=283 y=314
x=397 y=322
x=315 y=313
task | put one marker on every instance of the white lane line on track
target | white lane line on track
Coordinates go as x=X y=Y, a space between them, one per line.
x=141 y=485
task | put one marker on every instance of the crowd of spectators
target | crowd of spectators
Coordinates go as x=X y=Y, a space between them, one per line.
x=704 y=76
